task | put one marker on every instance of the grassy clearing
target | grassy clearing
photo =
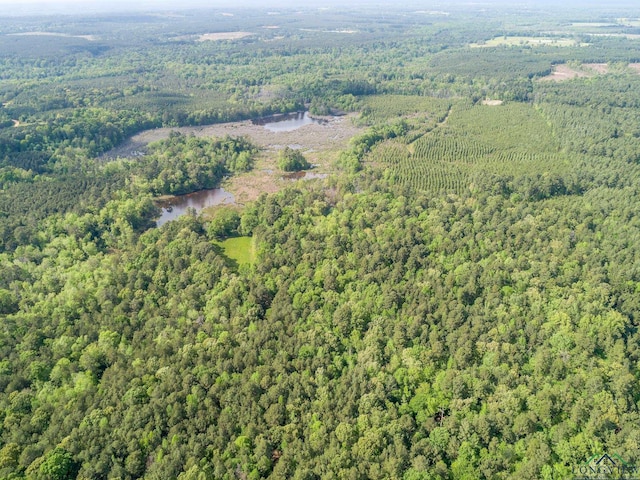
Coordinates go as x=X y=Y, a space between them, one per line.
x=238 y=249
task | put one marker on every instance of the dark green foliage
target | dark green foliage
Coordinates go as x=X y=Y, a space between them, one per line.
x=595 y=117
x=465 y=305
x=351 y=160
x=25 y=206
x=379 y=327
x=224 y=222
x=95 y=130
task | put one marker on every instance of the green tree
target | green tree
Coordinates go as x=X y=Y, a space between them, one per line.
x=292 y=160
x=58 y=465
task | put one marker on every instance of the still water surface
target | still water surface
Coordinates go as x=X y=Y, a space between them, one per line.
x=173 y=207
x=287 y=122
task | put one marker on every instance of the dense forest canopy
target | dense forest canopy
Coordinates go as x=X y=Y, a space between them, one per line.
x=457 y=298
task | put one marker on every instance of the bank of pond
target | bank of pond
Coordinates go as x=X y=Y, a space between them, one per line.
x=174 y=206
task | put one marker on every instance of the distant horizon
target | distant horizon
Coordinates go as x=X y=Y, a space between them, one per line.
x=53 y=7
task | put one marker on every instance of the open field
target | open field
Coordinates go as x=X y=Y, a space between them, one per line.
x=586 y=70
x=91 y=38
x=530 y=41
x=629 y=36
x=223 y=36
x=593 y=24
x=564 y=72
x=631 y=22
x=238 y=249
x=328 y=31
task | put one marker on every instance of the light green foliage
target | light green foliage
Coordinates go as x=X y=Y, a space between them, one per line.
x=57 y=465
x=9 y=455
x=420 y=111
x=292 y=160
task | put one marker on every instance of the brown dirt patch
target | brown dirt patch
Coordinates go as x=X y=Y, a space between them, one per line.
x=492 y=103
x=564 y=72
x=320 y=143
x=601 y=68
x=223 y=36
x=635 y=66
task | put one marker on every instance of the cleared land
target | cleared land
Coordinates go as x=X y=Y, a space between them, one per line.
x=90 y=38
x=223 y=36
x=601 y=68
x=532 y=41
x=594 y=24
x=630 y=36
x=564 y=72
x=631 y=22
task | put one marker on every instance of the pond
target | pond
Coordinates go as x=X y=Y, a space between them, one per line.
x=173 y=207
x=287 y=122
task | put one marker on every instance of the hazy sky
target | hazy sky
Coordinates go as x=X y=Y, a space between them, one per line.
x=21 y=7
x=18 y=7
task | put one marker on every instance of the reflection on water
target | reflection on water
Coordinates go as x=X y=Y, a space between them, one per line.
x=173 y=207
x=287 y=122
